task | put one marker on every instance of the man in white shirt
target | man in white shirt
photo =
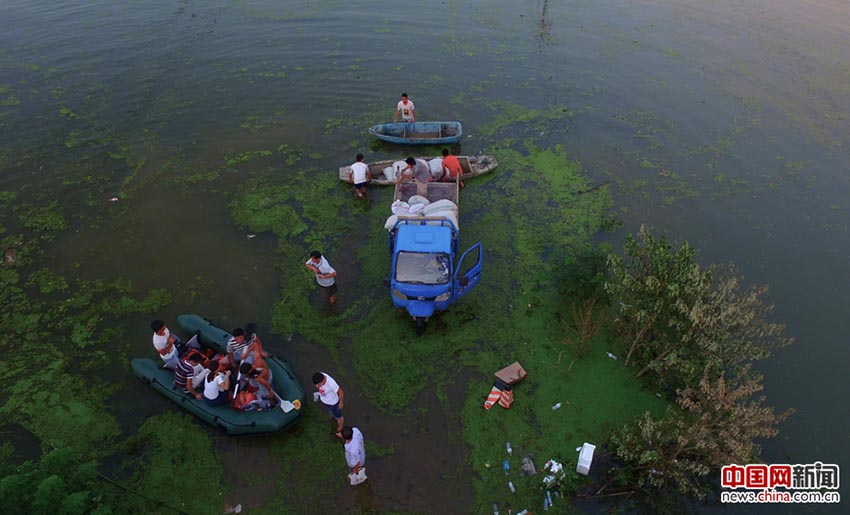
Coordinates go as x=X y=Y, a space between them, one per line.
x=360 y=175
x=406 y=109
x=355 y=450
x=324 y=274
x=332 y=397
x=166 y=344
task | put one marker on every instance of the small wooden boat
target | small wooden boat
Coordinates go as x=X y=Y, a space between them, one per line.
x=418 y=133
x=473 y=166
x=229 y=420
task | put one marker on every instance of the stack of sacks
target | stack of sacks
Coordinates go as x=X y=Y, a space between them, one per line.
x=444 y=208
x=398 y=208
x=415 y=206
x=418 y=199
x=436 y=166
x=421 y=206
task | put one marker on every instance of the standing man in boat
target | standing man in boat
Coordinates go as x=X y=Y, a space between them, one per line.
x=166 y=344
x=360 y=175
x=406 y=109
x=451 y=168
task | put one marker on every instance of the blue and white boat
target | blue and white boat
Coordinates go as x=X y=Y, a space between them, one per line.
x=418 y=133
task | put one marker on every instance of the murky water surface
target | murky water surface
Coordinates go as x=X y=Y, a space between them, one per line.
x=724 y=123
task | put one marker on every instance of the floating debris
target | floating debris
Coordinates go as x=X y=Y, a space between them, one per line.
x=527 y=468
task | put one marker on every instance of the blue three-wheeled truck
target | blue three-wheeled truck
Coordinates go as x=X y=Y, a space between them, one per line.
x=428 y=274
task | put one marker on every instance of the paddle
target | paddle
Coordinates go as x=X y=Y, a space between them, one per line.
x=285 y=406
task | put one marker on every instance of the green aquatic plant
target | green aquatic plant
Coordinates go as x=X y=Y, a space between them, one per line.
x=171 y=446
x=313 y=462
x=304 y=211
x=290 y=155
x=10 y=101
x=46 y=220
x=233 y=159
x=57 y=483
x=64 y=326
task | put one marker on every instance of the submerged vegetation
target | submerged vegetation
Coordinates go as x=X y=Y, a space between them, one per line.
x=65 y=331
x=695 y=332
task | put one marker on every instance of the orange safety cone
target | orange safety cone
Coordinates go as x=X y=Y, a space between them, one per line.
x=493 y=398
x=506 y=399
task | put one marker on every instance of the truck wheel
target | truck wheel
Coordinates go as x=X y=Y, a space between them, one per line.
x=420 y=325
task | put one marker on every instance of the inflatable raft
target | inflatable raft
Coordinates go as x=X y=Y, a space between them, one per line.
x=229 y=420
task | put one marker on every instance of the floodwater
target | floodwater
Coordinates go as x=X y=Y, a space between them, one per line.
x=725 y=123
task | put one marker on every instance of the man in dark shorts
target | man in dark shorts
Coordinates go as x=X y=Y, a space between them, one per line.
x=324 y=274
x=332 y=397
x=360 y=175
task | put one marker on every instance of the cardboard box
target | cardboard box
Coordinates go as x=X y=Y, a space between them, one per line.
x=511 y=374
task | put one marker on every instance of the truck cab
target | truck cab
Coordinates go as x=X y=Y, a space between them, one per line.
x=427 y=272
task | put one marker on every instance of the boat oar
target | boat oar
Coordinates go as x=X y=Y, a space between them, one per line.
x=238 y=380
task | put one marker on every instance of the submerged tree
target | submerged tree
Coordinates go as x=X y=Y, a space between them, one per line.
x=678 y=318
x=652 y=286
x=713 y=425
x=699 y=331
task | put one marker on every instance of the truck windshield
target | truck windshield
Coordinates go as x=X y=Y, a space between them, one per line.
x=422 y=268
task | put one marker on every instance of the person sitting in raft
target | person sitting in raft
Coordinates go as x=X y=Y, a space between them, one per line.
x=254 y=348
x=216 y=385
x=236 y=347
x=189 y=374
x=258 y=382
